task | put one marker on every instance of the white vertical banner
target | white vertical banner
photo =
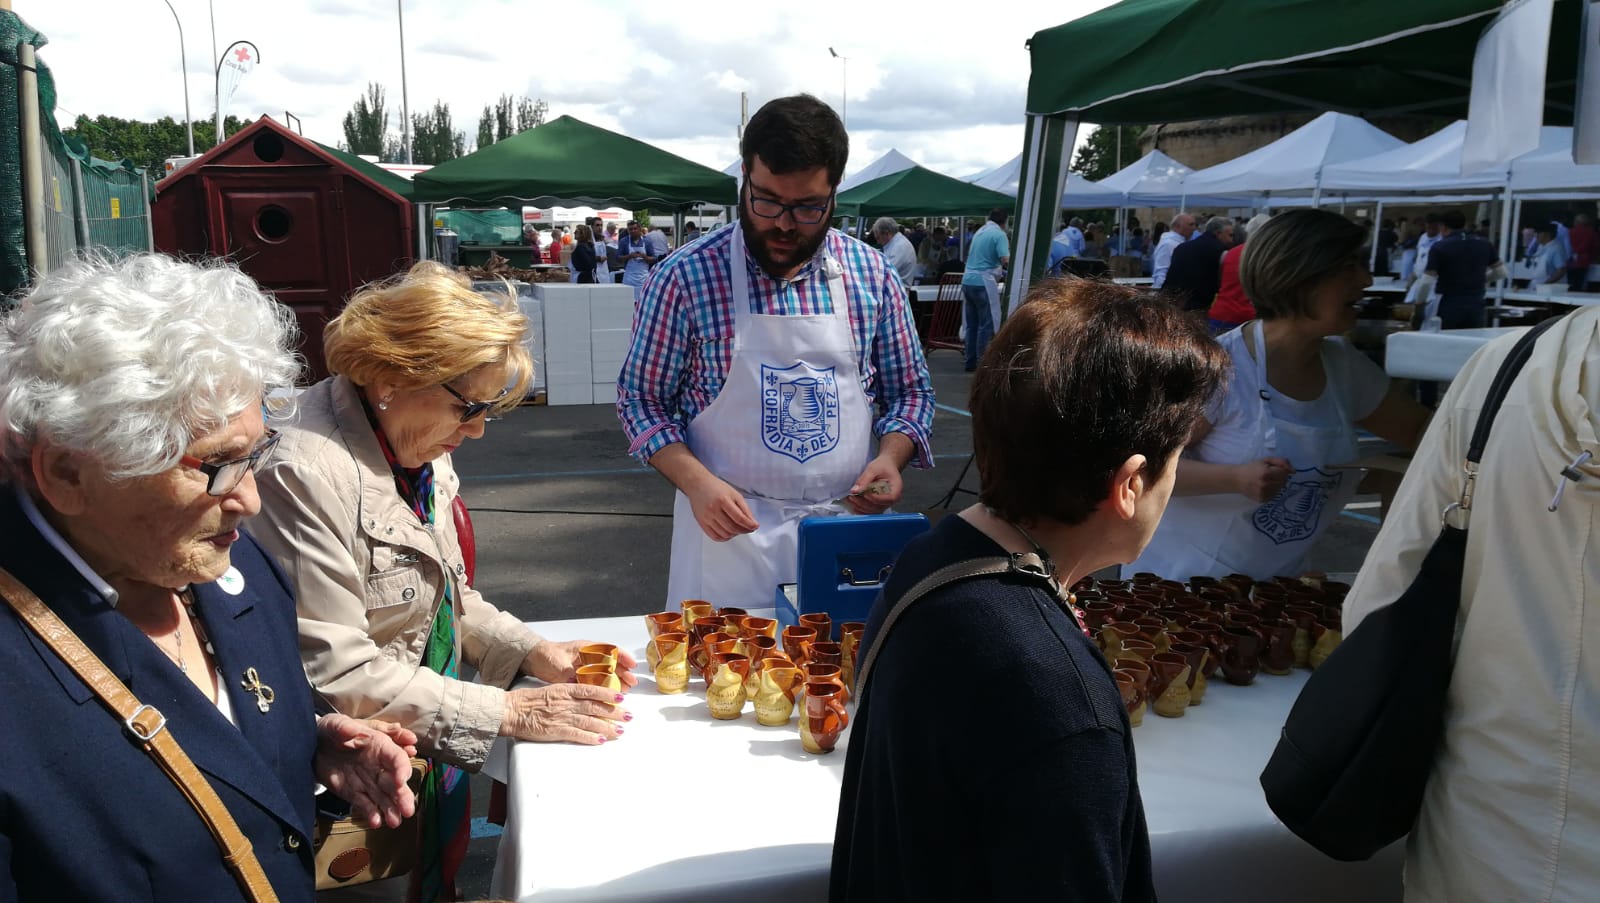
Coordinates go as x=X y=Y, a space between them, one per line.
x=237 y=61
x=1586 y=101
x=1508 y=72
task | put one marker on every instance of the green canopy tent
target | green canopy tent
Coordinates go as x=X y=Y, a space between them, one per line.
x=919 y=191
x=1144 y=61
x=572 y=163
x=400 y=185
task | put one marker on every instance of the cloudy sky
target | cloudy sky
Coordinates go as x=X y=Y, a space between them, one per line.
x=944 y=83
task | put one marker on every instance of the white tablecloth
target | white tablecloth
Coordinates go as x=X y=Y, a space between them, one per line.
x=684 y=808
x=1437 y=355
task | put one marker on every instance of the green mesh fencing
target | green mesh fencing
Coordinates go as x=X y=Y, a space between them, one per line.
x=484 y=227
x=88 y=203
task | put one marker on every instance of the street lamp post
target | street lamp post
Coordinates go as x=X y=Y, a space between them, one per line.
x=844 y=85
x=188 y=122
x=405 y=103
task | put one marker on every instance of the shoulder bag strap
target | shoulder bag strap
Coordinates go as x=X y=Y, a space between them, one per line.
x=1027 y=564
x=1503 y=379
x=148 y=726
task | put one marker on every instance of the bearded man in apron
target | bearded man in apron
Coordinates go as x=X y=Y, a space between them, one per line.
x=764 y=361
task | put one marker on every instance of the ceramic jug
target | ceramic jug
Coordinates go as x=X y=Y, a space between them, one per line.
x=725 y=688
x=671 y=668
x=824 y=718
x=1170 y=672
x=774 y=701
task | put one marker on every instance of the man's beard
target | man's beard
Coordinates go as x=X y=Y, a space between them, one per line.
x=756 y=240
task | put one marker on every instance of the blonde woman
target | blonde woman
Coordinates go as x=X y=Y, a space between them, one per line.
x=356 y=507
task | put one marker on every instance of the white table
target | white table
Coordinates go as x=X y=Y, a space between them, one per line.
x=1133 y=280
x=1437 y=355
x=684 y=808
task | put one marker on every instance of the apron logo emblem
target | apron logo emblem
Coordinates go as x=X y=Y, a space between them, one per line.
x=799 y=411
x=1294 y=514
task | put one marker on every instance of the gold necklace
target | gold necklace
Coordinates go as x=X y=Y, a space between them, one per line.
x=177 y=636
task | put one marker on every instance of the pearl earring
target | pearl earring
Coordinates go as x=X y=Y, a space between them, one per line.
x=383 y=405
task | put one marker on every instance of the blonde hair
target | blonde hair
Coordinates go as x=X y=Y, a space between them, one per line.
x=428 y=327
x=583 y=233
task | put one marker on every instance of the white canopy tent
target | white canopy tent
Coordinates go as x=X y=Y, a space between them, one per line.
x=1296 y=162
x=1154 y=180
x=1429 y=166
x=888 y=164
x=1003 y=178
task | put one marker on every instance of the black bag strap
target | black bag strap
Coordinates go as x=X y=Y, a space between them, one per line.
x=1027 y=564
x=1498 y=389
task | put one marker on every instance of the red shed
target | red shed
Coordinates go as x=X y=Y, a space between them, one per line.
x=310 y=223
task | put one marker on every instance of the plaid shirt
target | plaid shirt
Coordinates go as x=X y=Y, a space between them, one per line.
x=683 y=339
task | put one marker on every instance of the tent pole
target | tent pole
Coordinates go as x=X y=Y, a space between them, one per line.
x=1046 y=155
x=1510 y=214
x=1377 y=228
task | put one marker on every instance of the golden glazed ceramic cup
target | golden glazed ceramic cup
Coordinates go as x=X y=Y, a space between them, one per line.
x=824 y=718
x=599 y=676
x=694 y=609
x=774 y=701
x=1199 y=659
x=725 y=687
x=671 y=669
x=767 y=627
x=1131 y=687
x=599 y=654
x=659 y=622
x=1112 y=636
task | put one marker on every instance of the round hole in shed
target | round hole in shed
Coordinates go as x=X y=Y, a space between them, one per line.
x=268 y=147
x=273 y=222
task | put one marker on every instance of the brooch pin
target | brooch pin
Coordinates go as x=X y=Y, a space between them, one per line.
x=263 y=693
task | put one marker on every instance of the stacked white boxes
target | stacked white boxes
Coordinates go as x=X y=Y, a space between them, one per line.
x=587 y=330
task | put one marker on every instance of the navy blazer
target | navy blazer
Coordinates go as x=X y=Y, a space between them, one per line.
x=85 y=814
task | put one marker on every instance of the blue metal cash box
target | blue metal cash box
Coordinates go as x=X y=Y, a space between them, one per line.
x=844 y=561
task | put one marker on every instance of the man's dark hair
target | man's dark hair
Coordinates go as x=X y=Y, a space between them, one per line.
x=796 y=133
x=1453 y=220
x=1433 y=218
x=998 y=216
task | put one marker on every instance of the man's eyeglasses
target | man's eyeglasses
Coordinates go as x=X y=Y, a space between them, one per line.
x=804 y=214
x=476 y=408
x=224 y=477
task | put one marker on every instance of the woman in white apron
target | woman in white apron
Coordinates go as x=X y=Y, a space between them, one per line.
x=791 y=430
x=1267 y=473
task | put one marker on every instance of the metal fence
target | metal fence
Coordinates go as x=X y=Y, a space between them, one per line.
x=92 y=206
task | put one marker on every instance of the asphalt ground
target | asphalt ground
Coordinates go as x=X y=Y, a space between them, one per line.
x=569 y=526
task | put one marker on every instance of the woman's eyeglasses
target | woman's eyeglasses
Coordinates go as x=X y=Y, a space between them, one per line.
x=225 y=476
x=473 y=409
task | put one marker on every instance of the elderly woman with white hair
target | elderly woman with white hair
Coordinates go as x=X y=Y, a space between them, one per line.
x=902 y=256
x=130 y=429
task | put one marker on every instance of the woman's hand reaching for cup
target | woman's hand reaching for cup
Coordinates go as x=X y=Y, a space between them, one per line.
x=1261 y=481
x=564 y=713
x=557 y=663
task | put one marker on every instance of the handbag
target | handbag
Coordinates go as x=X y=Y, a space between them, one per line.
x=1356 y=750
x=148 y=726
x=348 y=852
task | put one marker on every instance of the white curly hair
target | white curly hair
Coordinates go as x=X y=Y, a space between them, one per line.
x=129 y=361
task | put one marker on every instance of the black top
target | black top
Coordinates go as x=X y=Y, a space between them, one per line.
x=1196 y=272
x=1462 y=263
x=583 y=260
x=991 y=757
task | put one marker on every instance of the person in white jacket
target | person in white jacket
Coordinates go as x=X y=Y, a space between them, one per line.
x=1509 y=812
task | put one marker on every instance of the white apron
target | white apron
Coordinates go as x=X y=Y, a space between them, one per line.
x=1228 y=533
x=791 y=430
x=991 y=289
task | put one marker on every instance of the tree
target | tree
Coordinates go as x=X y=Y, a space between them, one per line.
x=503 y=109
x=1097 y=158
x=147 y=144
x=367 y=123
x=434 y=138
x=530 y=113
x=486 y=128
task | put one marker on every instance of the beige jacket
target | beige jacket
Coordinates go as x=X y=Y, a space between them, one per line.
x=369 y=578
x=1511 y=811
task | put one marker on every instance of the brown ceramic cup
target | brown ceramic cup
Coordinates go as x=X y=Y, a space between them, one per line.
x=821 y=622
x=755 y=626
x=1138 y=648
x=1199 y=658
x=1277 y=657
x=693 y=609
x=824 y=718
x=1240 y=651
x=796 y=639
x=827 y=654
x=659 y=622
x=599 y=654
x=599 y=676
x=1170 y=694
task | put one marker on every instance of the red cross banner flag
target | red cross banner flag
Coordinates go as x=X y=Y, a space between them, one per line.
x=237 y=62
x=1586 y=119
x=1506 y=110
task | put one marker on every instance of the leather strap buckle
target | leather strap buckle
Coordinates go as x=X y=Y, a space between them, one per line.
x=138 y=730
